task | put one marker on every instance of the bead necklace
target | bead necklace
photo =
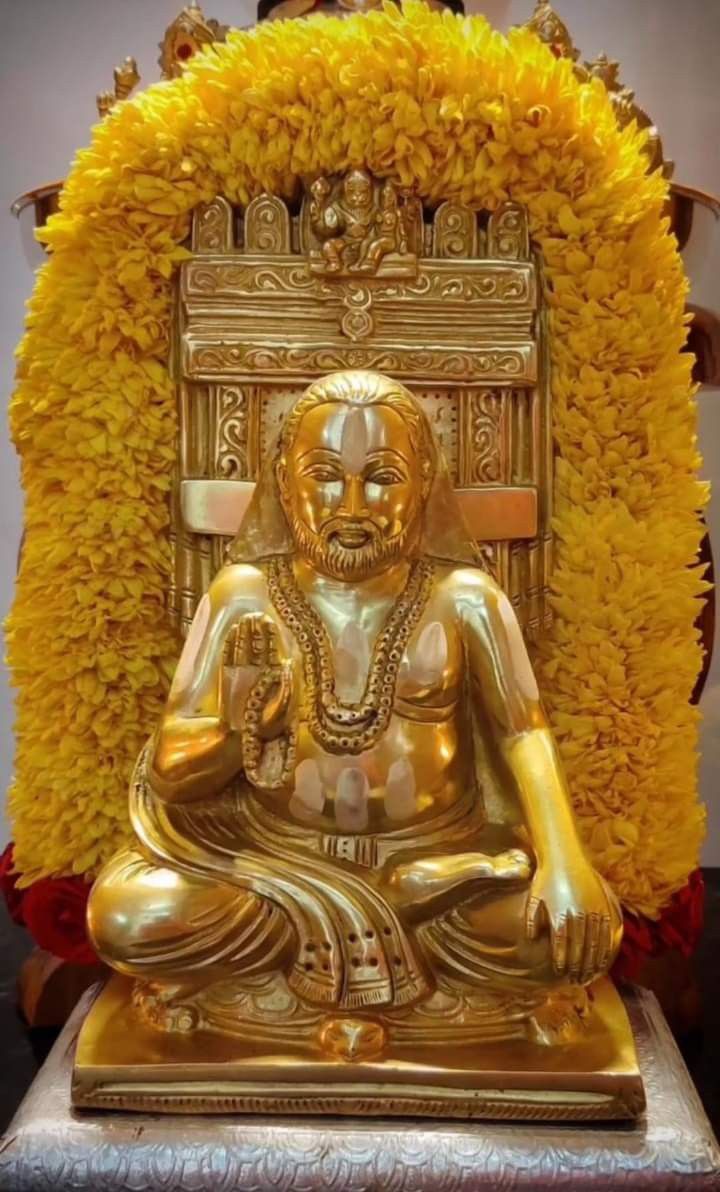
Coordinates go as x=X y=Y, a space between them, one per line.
x=339 y=726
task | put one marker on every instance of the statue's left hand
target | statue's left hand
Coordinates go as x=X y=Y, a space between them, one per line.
x=582 y=915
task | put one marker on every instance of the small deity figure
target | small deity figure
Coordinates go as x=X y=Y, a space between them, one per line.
x=354 y=231
x=342 y=225
x=353 y=794
x=388 y=234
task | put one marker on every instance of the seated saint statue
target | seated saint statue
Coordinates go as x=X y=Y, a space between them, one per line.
x=352 y=815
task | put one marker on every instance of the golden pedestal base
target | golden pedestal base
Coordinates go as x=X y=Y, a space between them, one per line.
x=670 y=1148
x=122 y=1064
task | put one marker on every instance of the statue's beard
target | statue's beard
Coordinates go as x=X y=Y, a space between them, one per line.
x=325 y=552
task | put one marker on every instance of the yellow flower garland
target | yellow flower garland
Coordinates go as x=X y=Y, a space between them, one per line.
x=458 y=111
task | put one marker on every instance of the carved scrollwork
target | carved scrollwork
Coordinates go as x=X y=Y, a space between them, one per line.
x=357 y=322
x=222 y=359
x=231 y=280
x=490 y=283
x=267 y=226
x=212 y=229
x=508 y=235
x=233 y=420
x=205 y=279
x=483 y=443
x=455 y=232
x=485 y=432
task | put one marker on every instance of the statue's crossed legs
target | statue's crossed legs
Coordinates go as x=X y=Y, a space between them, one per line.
x=183 y=932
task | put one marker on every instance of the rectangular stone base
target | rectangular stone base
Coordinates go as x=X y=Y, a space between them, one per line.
x=122 y=1063
x=50 y=1145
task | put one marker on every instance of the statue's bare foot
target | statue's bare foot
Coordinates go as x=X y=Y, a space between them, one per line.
x=512 y=865
x=352 y=1039
x=561 y=1018
x=166 y=1006
x=424 y=881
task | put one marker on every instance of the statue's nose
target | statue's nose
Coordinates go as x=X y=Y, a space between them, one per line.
x=353 y=502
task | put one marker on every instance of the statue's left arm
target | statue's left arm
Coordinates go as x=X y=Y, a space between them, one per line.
x=566 y=894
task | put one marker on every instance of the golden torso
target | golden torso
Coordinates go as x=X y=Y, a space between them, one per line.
x=428 y=727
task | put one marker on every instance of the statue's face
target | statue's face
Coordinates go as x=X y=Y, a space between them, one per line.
x=352 y=489
x=357 y=190
x=388 y=198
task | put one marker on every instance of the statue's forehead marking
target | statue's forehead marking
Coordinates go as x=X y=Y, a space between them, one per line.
x=354 y=440
x=352 y=431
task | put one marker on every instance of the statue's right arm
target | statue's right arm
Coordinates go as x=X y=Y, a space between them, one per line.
x=195 y=752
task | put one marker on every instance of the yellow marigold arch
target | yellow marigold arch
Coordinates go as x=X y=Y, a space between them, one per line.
x=456 y=110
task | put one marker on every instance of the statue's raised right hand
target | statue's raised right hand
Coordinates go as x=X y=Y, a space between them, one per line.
x=251 y=650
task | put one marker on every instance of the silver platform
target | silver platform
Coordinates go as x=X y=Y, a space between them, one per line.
x=49 y=1147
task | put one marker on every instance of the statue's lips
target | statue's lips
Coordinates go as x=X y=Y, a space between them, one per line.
x=351 y=537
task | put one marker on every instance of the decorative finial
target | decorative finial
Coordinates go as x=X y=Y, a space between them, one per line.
x=604 y=68
x=126 y=78
x=548 y=26
x=626 y=109
x=554 y=32
x=187 y=34
x=276 y=10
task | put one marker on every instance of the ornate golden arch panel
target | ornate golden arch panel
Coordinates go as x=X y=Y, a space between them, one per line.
x=446 y=301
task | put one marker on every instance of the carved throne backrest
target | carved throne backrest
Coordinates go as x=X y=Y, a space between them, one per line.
x=358 y=275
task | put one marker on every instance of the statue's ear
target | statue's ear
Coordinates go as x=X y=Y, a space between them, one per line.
x=281 y=475
x=428 y=474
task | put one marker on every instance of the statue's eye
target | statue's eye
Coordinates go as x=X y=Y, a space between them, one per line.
x=385 y=476
x=323 y=473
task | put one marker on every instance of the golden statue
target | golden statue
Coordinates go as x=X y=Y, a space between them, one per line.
x=355 y=843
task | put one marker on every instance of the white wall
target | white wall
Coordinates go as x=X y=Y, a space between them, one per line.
x=56 y=54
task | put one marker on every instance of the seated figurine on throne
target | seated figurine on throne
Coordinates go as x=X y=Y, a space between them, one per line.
x=353 y=796
x=358 y=232
x=388 y=234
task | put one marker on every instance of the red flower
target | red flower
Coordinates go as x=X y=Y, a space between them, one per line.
x=678 y=929
x=637 y=944
x=681 y=922
x=54 y=911
x=8 y=885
